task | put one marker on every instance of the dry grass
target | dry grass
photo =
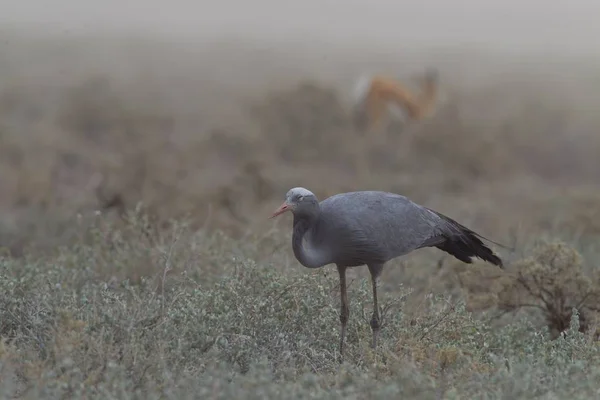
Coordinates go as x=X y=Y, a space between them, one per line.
x=194 y=293
x=552 y=282
x=181 y=313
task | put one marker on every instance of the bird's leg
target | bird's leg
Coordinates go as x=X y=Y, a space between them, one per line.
x=345 y=311
x=375 y=270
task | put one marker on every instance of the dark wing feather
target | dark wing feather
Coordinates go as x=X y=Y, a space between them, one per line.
x=461 y=242
x=465 y=229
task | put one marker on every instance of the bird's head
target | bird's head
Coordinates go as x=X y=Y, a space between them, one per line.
x=298 y=200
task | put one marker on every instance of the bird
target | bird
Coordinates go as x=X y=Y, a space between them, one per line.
x=371 y=228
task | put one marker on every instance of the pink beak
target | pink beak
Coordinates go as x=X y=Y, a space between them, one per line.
x=283 y=208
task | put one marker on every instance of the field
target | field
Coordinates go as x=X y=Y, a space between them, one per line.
x=138 y=260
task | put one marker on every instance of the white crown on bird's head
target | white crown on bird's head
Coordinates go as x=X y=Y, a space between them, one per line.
x=298 y=191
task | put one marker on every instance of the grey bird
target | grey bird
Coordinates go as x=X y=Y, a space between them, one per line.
x=371 y=228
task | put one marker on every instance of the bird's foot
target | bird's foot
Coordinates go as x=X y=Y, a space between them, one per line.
x=341 y=358
x=375 y=337
x=342 y=340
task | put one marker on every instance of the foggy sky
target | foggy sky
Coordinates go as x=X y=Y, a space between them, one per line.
x=549 y=24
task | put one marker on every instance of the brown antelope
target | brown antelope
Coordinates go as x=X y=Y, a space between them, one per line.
x=374 y=94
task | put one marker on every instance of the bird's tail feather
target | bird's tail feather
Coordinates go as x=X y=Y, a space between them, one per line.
x=465 y=229
x=468 y=245
x=465 y=244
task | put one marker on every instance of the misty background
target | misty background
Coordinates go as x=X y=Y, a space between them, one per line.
x=568 y=26
x=215 y=109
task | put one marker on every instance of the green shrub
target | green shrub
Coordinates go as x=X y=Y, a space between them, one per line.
x=69 y=327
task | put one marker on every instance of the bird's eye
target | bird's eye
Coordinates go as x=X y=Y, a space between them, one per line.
x=300 y=198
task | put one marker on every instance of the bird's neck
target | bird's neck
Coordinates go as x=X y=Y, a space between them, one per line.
x=304 y=244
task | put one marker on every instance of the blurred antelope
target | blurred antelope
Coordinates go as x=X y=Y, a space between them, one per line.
x=373 y=94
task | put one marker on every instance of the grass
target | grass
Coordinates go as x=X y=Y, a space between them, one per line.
x=205 y=320
x=138 y=261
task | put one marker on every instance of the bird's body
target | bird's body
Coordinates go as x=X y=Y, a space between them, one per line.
x=358 y=228
x=371 y=228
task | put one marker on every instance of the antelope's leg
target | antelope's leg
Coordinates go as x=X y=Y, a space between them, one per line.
x=362 y=158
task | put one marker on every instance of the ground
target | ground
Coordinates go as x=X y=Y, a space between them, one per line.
x=138 y=257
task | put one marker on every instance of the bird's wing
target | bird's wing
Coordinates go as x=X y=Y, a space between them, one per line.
x=364 y=249
x=352 y=245
x=382 y=225
x=459 y=241
x=433 y=241
x=455 y=224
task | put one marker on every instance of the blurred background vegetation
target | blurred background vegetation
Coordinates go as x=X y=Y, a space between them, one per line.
x=137 y=177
